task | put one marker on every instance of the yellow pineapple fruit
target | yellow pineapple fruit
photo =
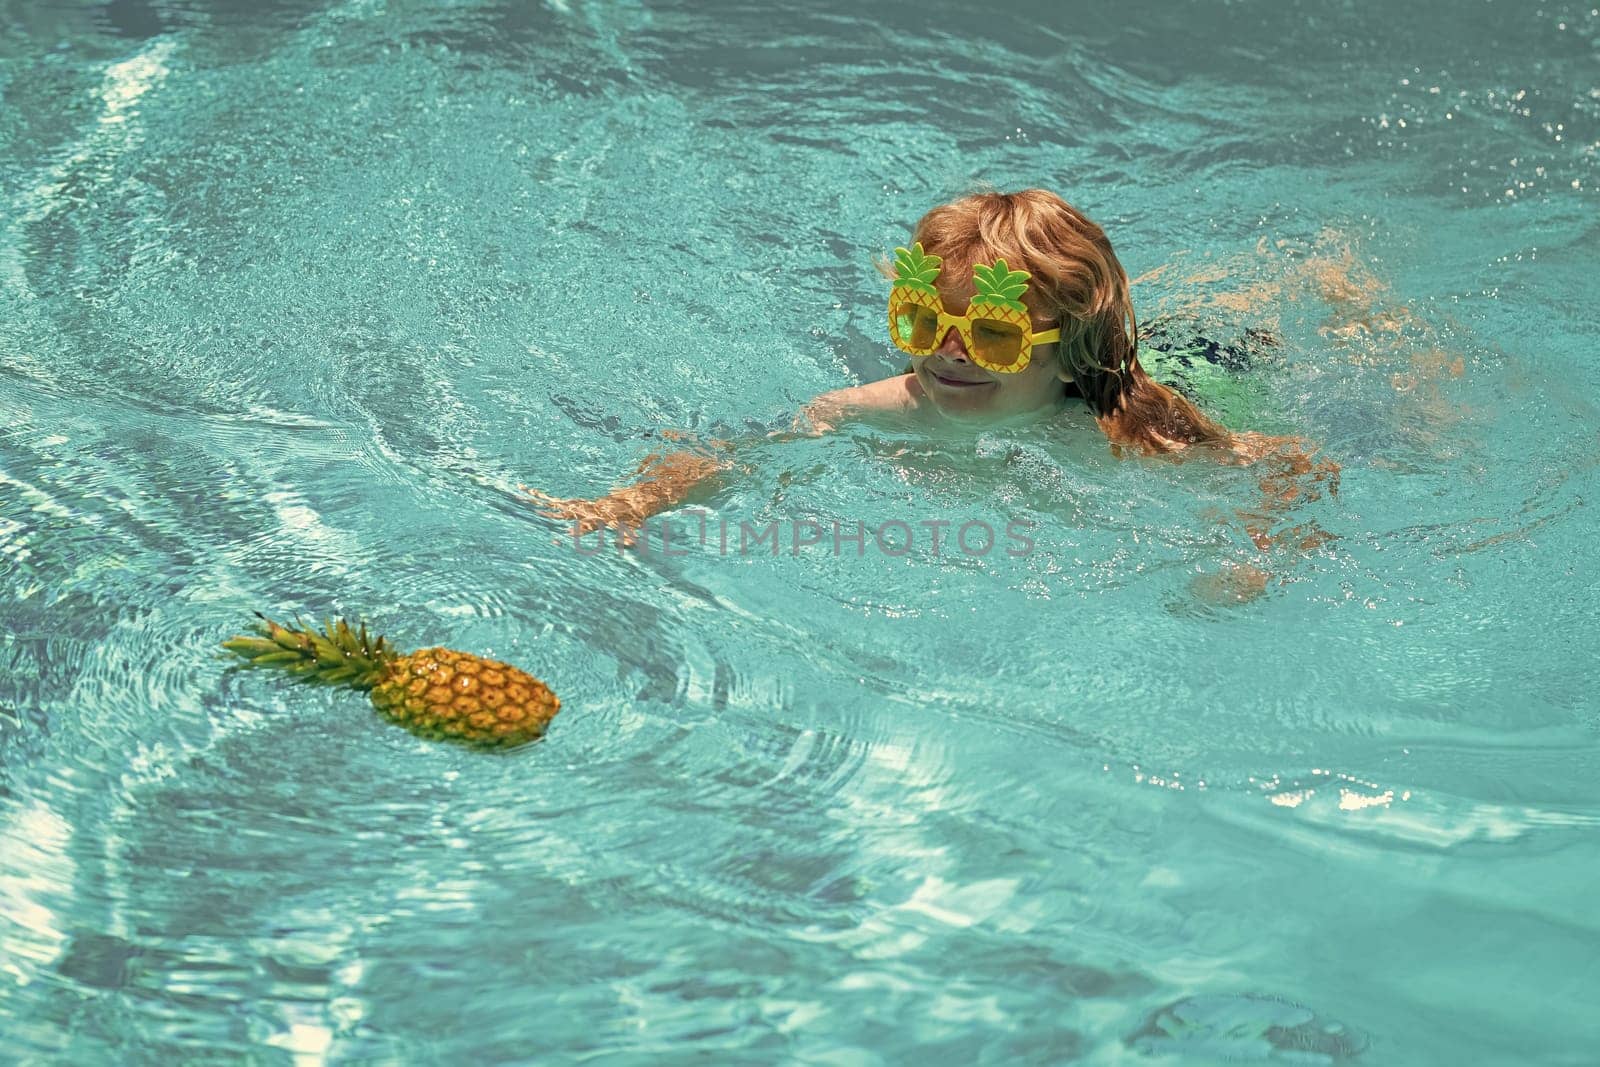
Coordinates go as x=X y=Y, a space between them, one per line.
x=435 y=693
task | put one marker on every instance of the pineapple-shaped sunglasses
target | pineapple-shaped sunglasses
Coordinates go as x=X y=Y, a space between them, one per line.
x=435 y=693
x=996 y=329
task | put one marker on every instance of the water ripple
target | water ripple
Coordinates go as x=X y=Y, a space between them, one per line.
x=295 y=297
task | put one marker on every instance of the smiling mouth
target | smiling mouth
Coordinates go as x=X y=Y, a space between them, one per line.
x=957 y=383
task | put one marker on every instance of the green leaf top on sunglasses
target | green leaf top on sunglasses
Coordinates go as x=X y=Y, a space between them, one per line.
x=1000 y=285
x=915 y=268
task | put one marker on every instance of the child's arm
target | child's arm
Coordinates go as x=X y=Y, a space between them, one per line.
x=665 y=481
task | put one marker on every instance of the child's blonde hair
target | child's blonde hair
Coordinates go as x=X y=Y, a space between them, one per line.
x=1079 y=281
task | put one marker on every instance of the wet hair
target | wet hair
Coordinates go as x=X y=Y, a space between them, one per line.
x=1077 y=280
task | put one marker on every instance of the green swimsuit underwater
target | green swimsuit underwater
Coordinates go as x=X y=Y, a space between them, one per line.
x=1225 y=380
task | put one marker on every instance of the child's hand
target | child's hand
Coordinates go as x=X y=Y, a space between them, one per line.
x=1236 y=583
x=615 y=510
x=665 y=481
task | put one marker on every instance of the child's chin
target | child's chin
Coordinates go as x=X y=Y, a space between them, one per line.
x=974 y=408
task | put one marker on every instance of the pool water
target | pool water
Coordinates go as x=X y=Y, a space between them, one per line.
x=294 y=297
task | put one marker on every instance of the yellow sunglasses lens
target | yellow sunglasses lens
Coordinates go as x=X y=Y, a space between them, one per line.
x=996 y=343
x=915 y=326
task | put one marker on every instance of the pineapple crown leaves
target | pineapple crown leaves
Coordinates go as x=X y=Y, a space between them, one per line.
x=915 y=268
x=337 y=655
x=1000 y=285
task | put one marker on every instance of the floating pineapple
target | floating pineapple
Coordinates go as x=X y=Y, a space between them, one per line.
x=435 y=693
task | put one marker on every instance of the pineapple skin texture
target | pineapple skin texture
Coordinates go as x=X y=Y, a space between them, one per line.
x=1019 y=319
x=442 y=693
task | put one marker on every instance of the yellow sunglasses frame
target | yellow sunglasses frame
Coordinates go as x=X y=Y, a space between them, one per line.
x=962 y=324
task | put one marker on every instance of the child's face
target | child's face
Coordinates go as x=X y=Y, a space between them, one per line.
x=961 y=389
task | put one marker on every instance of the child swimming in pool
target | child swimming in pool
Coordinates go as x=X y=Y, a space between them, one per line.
x=1012 y=306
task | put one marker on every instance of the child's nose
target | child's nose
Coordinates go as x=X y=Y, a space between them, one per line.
x=951 y=347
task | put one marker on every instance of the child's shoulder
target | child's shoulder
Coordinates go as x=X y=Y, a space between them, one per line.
x=889 y=394
x=895 y=395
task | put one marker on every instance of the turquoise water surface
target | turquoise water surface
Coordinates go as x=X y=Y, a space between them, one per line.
x=293 y=297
